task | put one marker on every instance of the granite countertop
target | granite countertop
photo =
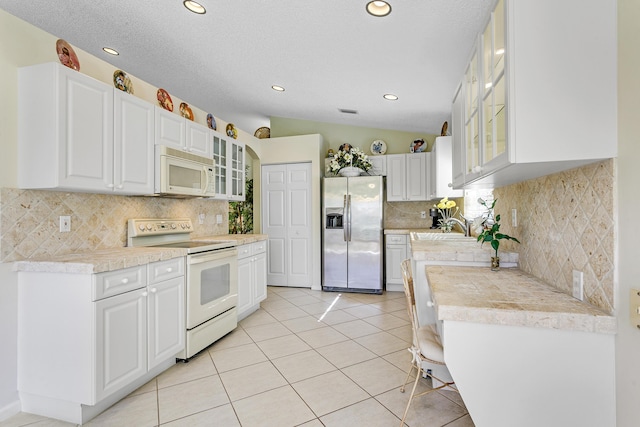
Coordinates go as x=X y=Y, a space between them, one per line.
x=102 y=260
x=510 y=297
x=461 y=250
x=409 y=230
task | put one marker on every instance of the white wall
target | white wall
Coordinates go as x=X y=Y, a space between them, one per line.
x=628 y=338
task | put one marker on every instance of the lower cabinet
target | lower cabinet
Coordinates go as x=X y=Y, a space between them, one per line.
x=395 y=252
x=252 y=277
x=88 y=340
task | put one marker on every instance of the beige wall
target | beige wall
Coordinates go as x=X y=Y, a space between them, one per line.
x=628 y=265
x=335 y=135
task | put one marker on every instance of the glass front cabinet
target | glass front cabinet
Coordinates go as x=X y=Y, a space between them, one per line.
x=229 y=156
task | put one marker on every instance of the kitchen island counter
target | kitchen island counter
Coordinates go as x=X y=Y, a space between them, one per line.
x=521 y=352
x=510 y=297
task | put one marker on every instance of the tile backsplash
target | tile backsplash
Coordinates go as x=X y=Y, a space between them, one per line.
x=566 y=222
x=29 y=220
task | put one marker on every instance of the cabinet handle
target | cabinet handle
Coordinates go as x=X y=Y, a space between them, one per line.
x=120 y=187
x=169 y=270
x=125 y=281
x=144 y=294
x=109 y=185
x=429 y=303
x=153 y=290
x=450 y=185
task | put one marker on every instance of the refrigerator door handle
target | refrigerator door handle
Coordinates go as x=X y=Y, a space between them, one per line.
x=348 y=225
x=346 y=217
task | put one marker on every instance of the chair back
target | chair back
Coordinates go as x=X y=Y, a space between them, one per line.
x=407 y=280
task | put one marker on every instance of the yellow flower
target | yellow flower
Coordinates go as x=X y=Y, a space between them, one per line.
x=441 y=205
x=450 y=204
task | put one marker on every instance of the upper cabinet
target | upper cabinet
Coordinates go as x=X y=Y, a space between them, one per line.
x=539 y=93
x=180 y=133
x=76 y=133
x=229 y=156
x=408 y=178
x=441 y=170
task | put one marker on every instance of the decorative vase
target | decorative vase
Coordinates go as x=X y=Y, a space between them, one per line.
x=350 y=171
x=495 y=263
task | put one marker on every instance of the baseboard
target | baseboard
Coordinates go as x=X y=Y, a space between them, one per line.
x=10 y=410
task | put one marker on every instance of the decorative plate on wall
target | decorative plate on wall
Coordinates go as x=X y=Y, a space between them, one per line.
x=378 y=147
x=211 y=121
x=232 y=131
x=185 y=111
x=262 y=133
x=67 y=55
x=122 y=81
x=165 y=100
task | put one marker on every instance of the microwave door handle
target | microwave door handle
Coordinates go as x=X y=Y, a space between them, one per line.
x=206 y=180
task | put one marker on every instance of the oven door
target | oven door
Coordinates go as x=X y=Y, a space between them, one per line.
x=212 y=286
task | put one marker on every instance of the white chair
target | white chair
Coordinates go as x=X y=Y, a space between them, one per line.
x=427 y=351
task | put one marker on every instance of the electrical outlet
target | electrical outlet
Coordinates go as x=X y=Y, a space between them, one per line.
x=65 y=224
x=218 y=219
x=514 y=217
x=201 y=218
x=423 y=214
x=578 y=285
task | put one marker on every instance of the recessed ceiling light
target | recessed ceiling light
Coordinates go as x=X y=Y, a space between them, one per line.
x=390 y=97
x=277 y=88
x=378 y=8
x=111 y=51
x=194 y=7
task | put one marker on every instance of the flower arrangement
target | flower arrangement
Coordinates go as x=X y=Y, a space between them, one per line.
x=491 y=227
x=445 y=207
x=348 y=156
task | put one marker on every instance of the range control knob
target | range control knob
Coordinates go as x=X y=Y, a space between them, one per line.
x=149 y=227
x=141 y=227
x=173 y=225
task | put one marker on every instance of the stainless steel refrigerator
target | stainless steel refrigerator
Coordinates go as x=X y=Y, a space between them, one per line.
x=352 y=234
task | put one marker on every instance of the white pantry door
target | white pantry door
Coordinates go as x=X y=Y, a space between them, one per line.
x=286 y=219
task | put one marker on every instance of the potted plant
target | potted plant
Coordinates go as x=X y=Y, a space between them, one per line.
x=349 y=161
x=491 y=232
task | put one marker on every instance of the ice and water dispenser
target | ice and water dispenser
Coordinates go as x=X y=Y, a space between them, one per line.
x=334 y=218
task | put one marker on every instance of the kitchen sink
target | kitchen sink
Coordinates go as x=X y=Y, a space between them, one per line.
x=440 y=236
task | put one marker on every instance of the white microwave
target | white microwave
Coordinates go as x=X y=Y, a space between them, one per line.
x=183 y=174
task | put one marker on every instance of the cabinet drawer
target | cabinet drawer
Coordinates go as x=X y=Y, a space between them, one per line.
x=165 y=270
x=116 y=282
x=259 y=247
x=244 y=251
x=396 y=239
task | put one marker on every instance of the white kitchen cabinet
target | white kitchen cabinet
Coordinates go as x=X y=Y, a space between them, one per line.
x=408 y=177
x=533 y=108
x=229 y=156
x=78 y=134
x=396 y=250
x=88 y=340
x=183 y=134
x=252 y=277
x=441 y=170
x=378 y=165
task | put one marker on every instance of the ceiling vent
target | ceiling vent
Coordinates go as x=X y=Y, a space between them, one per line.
x=347 y=111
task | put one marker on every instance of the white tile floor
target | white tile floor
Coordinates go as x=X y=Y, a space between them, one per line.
x=292 y=363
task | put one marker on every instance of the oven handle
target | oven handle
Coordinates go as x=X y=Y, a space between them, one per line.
x=212 y=256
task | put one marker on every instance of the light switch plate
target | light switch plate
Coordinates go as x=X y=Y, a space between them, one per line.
x=514 y=217
x=65 y=224
x=218 y=219
x=578 y=285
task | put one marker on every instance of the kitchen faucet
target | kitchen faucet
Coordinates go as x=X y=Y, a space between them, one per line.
x=466 y=225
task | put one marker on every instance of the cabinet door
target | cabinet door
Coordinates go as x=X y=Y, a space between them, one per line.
x=170 y=129
x=457 y=135
x=417 y=176
x=121 y=341
x=221 y=158
x=133 y=144
x=86 y=143
x=394 y=255
x=198 y=139
x=237 y=171
x=166 y=324
x=396 y=175
x=259 y=277
x=245 y=284
x=378 y=165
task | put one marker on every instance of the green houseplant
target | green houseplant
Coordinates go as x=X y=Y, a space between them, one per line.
x=491 y=232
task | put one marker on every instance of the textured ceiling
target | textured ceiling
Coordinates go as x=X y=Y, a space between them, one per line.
x=329 y=55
